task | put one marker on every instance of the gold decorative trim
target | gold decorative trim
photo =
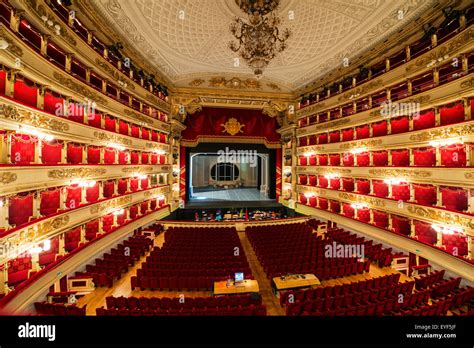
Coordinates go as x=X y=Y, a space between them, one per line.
x=312 y=148
x=319 y=170
x=234 y=83
x=7 y=177
x=469 y=175
x=418 y=100
x=400 y=173
x=76 y=173
x=362 y=199
x=166 y=107
x=76 y=87
x=232 y=126
x=137 y=116
x=12 y=46
x=446 y=218
x=442 y=133
x=310 y=109
x=354 y=93
x=25 y=117
x=159 y=191
x=468 y=84
x=48 y=226
x=137 y=169
x=196 y=82
x=331 y=124
x=112 y=138
x=109 y=205
x=361 y=143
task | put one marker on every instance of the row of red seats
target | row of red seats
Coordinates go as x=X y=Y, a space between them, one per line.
x=445 y=287
x=59 y=309
x=426 y=280
x=182 y=302
x=211 y=312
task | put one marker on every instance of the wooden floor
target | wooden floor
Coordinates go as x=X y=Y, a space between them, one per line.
x=236 y=194
x=122 y=286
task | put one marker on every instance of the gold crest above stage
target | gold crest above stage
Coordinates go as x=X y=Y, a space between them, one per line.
x=232 y=126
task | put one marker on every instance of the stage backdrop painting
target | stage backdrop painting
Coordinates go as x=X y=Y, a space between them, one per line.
x=231 y=125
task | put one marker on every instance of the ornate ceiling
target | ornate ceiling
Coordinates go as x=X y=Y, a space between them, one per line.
x=187 y=40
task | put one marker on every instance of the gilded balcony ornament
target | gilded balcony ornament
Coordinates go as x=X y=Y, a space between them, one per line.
x=137 y=116
x=375 y=202
x=74 y=173
x=445 y=218
x=310 y=109
x=332 y=124
x=7 y=177
x=360 y=90
x=137 y=169
x=12 y=47
x=112 y=138
x=110 y=205
x=468 y=84
x=163 y=105
x=78 y=88
x=407 y=173
x=27 y=117
x=443 y=133
x=469 y=175
x=362 y=143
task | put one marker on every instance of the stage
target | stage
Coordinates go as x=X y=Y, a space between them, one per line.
x=234 y=194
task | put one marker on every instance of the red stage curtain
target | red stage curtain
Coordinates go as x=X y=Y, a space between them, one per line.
x=348 y=184
x=145 y=134
x=401 y=192
x=51 y=152
x=335 y=184
x=322 y=160
x=23 y=149
x=95 y=120
x=122 y=186
x=303 y=179
x=348 y=160
x=363 y=215
x=92 y=193
x=425 y=194
x=93 y=155
x=133 y=184
x=380 y=158
x=323 y=181
x=363 y=186
x=25 y=92
x=379 y=129
x=145 y=158
x=313 y=180
x=400 y=124
x=110 y=123
x=74 y=153
x=363 y=159
x=109 y=156
x=380 y=188
x=53 y=104
x=348 y=134
x=380 y=219
x=453 y=155
x=362 y=132
x=49 y=202
x=400 y=158
x=424 y=157
x=135 y=132
x=323 y=203
x=347 y=210
x=424 y=120
x=452 y=114
x=134 y=157
x=334 y=160
x=73 y=197
x=123 y=127
x=454 y=198
x=335 y=137
x=108 y=189
x=322 y=138
x=123 y=156
x=401 y=225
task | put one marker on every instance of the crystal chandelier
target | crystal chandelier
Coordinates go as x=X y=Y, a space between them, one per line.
x=259 y=39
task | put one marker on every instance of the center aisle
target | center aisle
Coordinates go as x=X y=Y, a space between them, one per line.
x=268 y=298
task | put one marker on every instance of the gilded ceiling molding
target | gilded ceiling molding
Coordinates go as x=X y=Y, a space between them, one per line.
x=12 y=46
x=196 y=82
x=112 y=138
x=110 y=205
x=446 y=218
x=234 y=83
x=419 y=174
x=439 y=54
x=274 y=86
x=25 y=117
x=7 y=177
x=75 y=173
x=443 y=133
x=76 y=87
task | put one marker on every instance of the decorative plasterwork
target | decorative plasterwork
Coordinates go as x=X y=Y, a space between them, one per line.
x=76 y=173
x=444 y=217
x=112 y=138
x=361 y=143
x=397 y=173
x=159 y=191
x=12 y=47
x=7 y=177
x=445 y=133
x=111 y=204
x=375 y=202
x=29 y=118
x=234 y=83
x=78 y=88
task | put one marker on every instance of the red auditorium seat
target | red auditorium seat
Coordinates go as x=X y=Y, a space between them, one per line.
x=451 y=114
x=424 y=157
x=400 y=158
x=323 y=203
x=50 y=202
x=380 y=158
x=348 y=160
x=453 y=155
x=454 y=198
x=74 y=153
x=348 y=134
x=362 y=132
x=25 y=91
x=323 y=181
x=425 y=194
x=363 y=214
x=93 y=155
x=348 y=184
x=401 y=225
x=51 y=152
x=400 y=124
x=20 y=209
x=426 y=119
x=322 y=138
x=94 y=120
x=53 y=103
